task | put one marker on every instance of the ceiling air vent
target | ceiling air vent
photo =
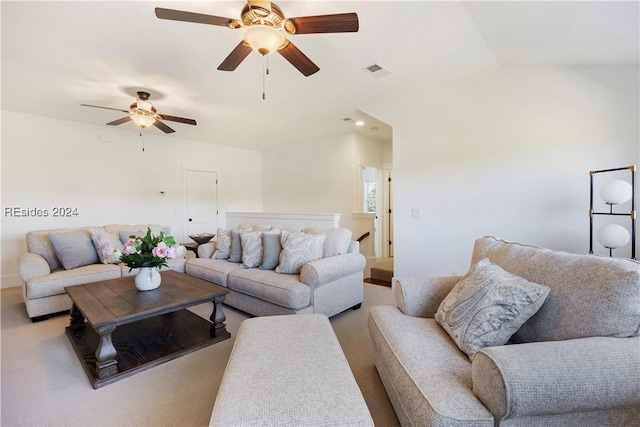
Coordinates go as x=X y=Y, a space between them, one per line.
x=376 y=70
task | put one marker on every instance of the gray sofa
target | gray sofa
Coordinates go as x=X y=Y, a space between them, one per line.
x=328 y=285
x=575 y=362
x=45 y=276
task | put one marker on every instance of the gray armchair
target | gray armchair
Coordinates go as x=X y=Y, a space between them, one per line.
x=575 y=362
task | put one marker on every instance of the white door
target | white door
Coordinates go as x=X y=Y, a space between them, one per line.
x=202 y=202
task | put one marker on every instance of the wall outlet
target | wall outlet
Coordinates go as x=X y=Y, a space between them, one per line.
x=416 y=213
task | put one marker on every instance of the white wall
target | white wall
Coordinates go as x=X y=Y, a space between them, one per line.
x=506 y=152
x=48 y=162
x=321 y=176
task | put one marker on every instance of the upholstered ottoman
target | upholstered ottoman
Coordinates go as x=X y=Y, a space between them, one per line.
x=288 y=371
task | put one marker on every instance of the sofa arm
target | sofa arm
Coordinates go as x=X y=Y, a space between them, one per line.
x=206 y=250
x=325 y=270
x=558 y=377
x=32 y=265
x=421 y=297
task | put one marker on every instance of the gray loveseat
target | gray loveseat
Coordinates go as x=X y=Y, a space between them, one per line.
x=328 y=285
x=575 y=362
x=45 y=271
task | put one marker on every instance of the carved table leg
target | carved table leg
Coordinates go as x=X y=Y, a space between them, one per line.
x=77 y=319
x=106 y=364
x=218 y=327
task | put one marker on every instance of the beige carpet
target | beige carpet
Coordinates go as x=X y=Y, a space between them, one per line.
x=43 y=384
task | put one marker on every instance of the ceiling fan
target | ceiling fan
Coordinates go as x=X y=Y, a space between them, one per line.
x=144 y=114
x=266 y=29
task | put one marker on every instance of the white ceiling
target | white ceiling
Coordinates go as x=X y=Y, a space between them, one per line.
x=58 y=55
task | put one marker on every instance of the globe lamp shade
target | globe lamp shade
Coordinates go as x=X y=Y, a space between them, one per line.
x=616 y=192
x=613 y=236
x=142 y=120
x=264 y=39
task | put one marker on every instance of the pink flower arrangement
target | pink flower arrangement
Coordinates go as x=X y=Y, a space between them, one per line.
x=148 y=251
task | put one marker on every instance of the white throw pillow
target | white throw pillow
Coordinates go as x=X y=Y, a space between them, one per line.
x=223 y=244
x=106 y=244
x=299 y=249
x=337 y=242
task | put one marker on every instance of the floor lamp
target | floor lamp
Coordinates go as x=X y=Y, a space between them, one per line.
x=615 y=192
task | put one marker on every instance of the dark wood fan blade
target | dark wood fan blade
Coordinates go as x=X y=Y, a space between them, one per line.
x=164 y=128
x=106 y=108
x=178 y=119
x=236 y=56
x=119 y=121
x=298 y=59
x=198 y=18
x=337 y=23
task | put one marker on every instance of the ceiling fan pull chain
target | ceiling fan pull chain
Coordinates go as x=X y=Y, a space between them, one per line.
x=142 y=136
x=265 y=71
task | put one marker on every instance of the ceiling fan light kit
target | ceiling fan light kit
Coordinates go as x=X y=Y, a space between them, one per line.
x=264 y=39
x=266 y=32
x=143 y=121
x=144 y=114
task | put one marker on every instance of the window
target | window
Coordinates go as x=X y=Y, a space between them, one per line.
x=369 y=189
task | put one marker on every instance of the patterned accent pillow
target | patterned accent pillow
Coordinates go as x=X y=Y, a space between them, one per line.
x=272 y=247
x=223 y=244
x=299 y=249
x=251 y=248
x=106 y=244
x=337 y=242
x=74 y=249
x=487 y=306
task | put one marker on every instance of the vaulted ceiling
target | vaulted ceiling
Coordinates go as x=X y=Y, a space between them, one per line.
x=58 y=55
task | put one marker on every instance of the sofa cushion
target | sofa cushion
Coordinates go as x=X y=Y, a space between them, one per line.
x=213 y=270
x=223 y=244
x=252 y=251
x=74 y=248
x=253 y=227
x=299 y=249
x=424 y=371
x=284 y=290
x=271 y=250
x=38 y=243
x=488 y=306
x=125 y=230
x=337 y=242
x=54 y=283
x=106 y=245
x=590 y=295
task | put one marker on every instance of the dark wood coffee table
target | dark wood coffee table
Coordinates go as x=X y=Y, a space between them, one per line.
x=117 y=331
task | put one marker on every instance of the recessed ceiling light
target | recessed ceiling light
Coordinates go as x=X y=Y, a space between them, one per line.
x=359 y=123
